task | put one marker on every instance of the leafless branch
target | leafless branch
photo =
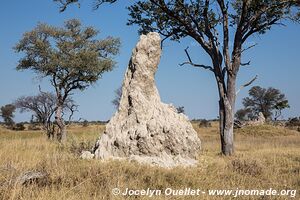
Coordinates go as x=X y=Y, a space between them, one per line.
x=41 y=91
x=190 y=62
x=166 y=36
x=98 y=3
x=249 y=47
x=66 y=3
x=73 y=108
x=247 y=84
x=246 y=64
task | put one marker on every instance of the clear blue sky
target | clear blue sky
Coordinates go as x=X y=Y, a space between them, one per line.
x=275 y=60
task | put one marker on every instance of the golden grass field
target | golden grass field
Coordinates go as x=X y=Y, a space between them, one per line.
x=266 y=157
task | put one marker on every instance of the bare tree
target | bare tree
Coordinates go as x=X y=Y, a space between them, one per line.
x=43 y=107
x=7 y=113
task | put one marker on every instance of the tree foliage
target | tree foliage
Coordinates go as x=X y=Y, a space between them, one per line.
x=268 y=101
x=243 y=114
x=7 y=113
x=71 y=56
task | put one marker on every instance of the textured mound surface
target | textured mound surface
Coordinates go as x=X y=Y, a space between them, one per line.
x=145 y=129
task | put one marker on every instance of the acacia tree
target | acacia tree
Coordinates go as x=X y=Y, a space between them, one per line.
x=43 y=106
x=212 y=24
x=267 y=101
x=71 y=57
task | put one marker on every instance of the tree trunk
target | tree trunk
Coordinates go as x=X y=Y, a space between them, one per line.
x=61 y=135
x=47 y=131
x=49 y=128
x=226 y=112
x=226 y=127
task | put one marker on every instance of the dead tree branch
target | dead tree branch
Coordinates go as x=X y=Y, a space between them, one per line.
x=66 y=3
x=245 y=64
x=247 y=84
x=190 y=62
x=251 y=46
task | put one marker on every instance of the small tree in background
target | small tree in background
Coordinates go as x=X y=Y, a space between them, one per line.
x=243 y=114
x=71 y=57
x=43 y=107
x=19 y=127
x=180 y=109
x=268 y=101
x=279 y=107
x=204 y=123
x=85 y=123
x=7 y=113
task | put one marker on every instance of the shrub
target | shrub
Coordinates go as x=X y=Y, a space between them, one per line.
x=293 y=122
x=204 y=123
x=33 y=127
x=19 y=127
x=85 y=123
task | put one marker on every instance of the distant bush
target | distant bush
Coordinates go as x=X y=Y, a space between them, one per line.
x=180 y=109
x=98 y=122
x=293 y=122
x=204 y=123
x=85 y=123
x=19 y=127
x=237 y=124
x=33 y=127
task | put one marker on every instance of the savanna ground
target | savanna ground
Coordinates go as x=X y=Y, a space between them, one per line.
x=266 y=157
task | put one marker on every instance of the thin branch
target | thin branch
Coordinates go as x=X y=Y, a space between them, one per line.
x=72 y=108
x=162 y=41
x=259 y=28
x=246 y=64
x=182 y=21
x=243 y=50
x=98 y=3
x=66 y=3
x=166 y=36
x=40 y=89
x=265 y=9
x=251 y=46
x=190 y=62
x=247 y=84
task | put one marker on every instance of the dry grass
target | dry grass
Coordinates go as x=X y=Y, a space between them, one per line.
x=266 y=157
